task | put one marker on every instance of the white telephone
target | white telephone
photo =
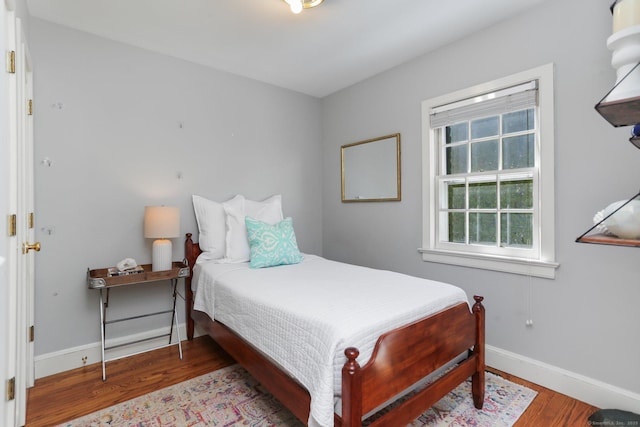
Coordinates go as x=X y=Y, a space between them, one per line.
x=127 y=264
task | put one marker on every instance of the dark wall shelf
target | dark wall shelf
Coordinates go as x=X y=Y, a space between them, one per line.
x=622 y=112
x=603 y=239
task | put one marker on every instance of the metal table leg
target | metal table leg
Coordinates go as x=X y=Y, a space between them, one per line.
x=174 y=319
x=102 y=332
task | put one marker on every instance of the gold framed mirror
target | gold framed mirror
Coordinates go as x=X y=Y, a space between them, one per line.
x=370 y=170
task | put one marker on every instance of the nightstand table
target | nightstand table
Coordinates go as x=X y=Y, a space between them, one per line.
x=101 y=280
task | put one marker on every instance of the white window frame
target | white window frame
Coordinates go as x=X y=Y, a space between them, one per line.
x=540 y=261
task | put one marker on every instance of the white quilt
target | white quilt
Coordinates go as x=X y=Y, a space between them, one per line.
x=303 y=316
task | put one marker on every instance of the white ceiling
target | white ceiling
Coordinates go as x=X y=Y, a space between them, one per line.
x=317 y=52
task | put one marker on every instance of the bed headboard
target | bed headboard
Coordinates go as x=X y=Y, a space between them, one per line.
x=191 y=252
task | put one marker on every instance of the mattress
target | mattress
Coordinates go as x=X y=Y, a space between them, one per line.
x=303 y=316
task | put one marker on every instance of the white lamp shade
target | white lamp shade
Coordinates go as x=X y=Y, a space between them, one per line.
x=161 y=222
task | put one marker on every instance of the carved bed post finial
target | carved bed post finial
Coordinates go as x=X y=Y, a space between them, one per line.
x=351 y=365
x=351 y=389
x=478 y=305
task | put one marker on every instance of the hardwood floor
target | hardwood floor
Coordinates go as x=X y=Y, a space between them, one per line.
x=68 y=395
x=71 y=394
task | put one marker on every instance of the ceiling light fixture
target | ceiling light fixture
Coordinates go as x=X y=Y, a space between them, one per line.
x=297 y=5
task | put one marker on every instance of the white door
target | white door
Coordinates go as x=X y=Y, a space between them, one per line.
x=20 y=258
x=9 y=204
x=29 y=207
x=25 y=371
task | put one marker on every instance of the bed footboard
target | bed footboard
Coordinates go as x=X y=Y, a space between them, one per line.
x=404 y=356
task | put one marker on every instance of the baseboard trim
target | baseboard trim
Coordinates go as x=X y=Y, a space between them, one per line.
x=77 y=357
x=589 y=390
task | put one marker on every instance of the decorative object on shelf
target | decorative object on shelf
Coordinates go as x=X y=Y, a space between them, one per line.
x=625 y=224
x=621 y=105
x=126 y=264
x=617 y=224
x=626 y=13
x=114 y=271
x=161 y=223
x=297 y=5
x=599 y=226
x=635 y=135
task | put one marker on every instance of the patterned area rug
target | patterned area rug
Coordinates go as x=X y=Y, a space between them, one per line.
x=231 y=397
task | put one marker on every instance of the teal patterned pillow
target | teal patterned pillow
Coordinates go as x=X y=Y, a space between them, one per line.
x=272 y=245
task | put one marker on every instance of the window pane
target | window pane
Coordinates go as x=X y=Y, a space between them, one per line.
x=455 y=196
x=516 y=230
x=518 y=121
x=516 y=194
x=457 y=133
x=456 y=227
x=482 y=228
x=484 y=156
x=517 y=151
x=485 y=127
x=456 y=159
x=482 y=196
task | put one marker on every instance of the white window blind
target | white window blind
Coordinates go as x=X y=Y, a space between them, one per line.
x=506 y=100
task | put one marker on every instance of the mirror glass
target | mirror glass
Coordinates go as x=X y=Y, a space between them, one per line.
x=371 y=170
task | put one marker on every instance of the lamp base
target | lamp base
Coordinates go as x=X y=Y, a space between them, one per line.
x=161 y=255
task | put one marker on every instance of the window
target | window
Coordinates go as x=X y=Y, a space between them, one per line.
x=488 y=175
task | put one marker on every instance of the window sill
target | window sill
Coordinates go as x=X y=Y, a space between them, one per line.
x=526 y=267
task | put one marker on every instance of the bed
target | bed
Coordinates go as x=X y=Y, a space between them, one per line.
x=400 y=358
x=327 y=339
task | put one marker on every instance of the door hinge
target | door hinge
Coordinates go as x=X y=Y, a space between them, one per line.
x=13 y=229
x=31 y=220
x=11 y=388
x=32 y=333
x=30 y=107
x=11 y=61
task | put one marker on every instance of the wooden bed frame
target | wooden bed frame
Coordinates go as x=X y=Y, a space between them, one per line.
x=400 y=358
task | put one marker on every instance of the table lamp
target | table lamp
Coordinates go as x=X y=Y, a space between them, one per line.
x=161 y=223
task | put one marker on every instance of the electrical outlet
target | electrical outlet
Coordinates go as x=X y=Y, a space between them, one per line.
x=84 y=360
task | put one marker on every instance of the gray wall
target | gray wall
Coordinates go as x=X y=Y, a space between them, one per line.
x=585 y=321
x=124 y=128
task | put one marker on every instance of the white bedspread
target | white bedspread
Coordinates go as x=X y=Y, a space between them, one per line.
x=303 y=316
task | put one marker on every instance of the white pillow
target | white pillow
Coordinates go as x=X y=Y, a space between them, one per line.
x=268 y=210
x=212 y=226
